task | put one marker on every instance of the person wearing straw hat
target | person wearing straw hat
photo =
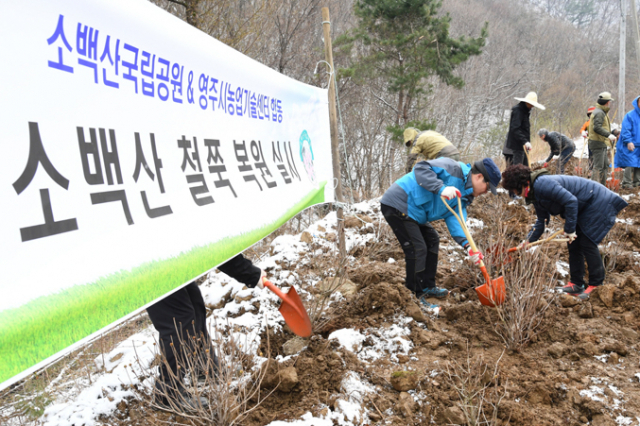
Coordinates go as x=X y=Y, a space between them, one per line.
x=430 y=144
x=601 y=138
x=414 y=200
x=519 y=135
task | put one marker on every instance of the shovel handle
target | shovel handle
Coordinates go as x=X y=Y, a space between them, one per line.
x=466 y=231
x=268 y=284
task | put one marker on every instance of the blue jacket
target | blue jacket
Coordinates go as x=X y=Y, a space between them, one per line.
x=417 y=194
x=630 y=133
x=580 y=202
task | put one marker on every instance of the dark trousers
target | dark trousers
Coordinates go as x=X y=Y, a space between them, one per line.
x=180 y=320
x=508 y=159
x=420 y=244
x=564 y=158
x=581 y=249
x=519 y=158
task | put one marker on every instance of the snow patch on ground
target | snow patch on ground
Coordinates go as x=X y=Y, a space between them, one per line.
x=562 y=268
x=372 y=343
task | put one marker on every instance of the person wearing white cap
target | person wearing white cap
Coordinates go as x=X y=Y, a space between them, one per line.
x=601 y=138
x=518 y=137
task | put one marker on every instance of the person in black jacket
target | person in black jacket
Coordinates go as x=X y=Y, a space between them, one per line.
x=588 y=208
x=560 y=145
x=181 y=318
x=519 y=135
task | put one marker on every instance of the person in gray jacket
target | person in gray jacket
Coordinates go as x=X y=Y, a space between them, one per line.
x=560 y=145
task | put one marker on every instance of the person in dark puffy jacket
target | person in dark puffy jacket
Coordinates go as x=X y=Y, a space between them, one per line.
x=560 y=145
x=628 y=148
x=414 y=200
x=588 y=208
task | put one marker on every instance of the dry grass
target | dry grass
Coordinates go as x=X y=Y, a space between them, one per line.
x=218 y=375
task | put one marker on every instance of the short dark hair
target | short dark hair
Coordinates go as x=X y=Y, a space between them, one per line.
x=515 y=177
x=602 y=101
x=475 y=171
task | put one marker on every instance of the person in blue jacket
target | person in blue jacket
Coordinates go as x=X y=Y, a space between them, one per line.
x=628 y=147
x=414 y=200
x=589 y=211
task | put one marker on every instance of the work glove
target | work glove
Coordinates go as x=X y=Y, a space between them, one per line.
x=263 y=276
x=612 y=137
x=523 y=245
x=570 y=235
x=631 y=146
x=475 y=256
x=451 y=192
x=585 y=134
x=528 y=146
x=545 y=165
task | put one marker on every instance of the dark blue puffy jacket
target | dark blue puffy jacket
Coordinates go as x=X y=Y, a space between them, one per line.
x=578 y=201
x=630 y=132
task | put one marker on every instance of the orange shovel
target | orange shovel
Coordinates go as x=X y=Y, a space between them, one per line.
x=292 y=310
x=613 y=183
x=492 y=292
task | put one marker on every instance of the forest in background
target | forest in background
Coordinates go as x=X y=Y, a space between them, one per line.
x=565 y=50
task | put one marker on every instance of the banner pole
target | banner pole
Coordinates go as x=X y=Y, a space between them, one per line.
x=333 y=120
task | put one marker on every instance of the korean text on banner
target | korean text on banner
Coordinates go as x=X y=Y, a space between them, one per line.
x=140 y=153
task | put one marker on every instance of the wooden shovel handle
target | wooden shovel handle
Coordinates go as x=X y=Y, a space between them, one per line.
x=466 y=232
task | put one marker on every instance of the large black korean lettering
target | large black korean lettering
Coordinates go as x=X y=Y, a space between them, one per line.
x=191 y=157
x=218 y=166
x=141 y=163
x=38 y=156
x=108 y=151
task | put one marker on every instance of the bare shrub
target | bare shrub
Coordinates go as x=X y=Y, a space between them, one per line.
x=476 y=383
x=218 y=375
x=529 y=282
x=612 y=249
x=320 y=299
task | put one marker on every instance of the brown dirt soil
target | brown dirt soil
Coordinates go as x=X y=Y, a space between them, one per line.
x=546 y=382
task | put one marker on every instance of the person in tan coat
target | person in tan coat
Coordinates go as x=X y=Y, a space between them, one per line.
x=430 y=144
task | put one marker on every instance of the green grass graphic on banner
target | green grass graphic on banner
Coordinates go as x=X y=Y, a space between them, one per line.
x=49 y=324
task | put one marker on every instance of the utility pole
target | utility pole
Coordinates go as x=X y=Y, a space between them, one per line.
x=333 y=121
x=636 y=32
x=623 y=43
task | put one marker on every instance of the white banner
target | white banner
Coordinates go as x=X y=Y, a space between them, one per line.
x=140 y=153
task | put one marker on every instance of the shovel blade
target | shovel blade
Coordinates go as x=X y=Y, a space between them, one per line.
x=294 y=314
x=492 y=293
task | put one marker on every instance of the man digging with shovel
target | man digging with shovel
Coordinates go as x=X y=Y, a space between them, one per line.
x=589 y=211
x=413 y=201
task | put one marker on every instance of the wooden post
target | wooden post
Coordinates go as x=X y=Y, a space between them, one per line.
x=333 y=121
